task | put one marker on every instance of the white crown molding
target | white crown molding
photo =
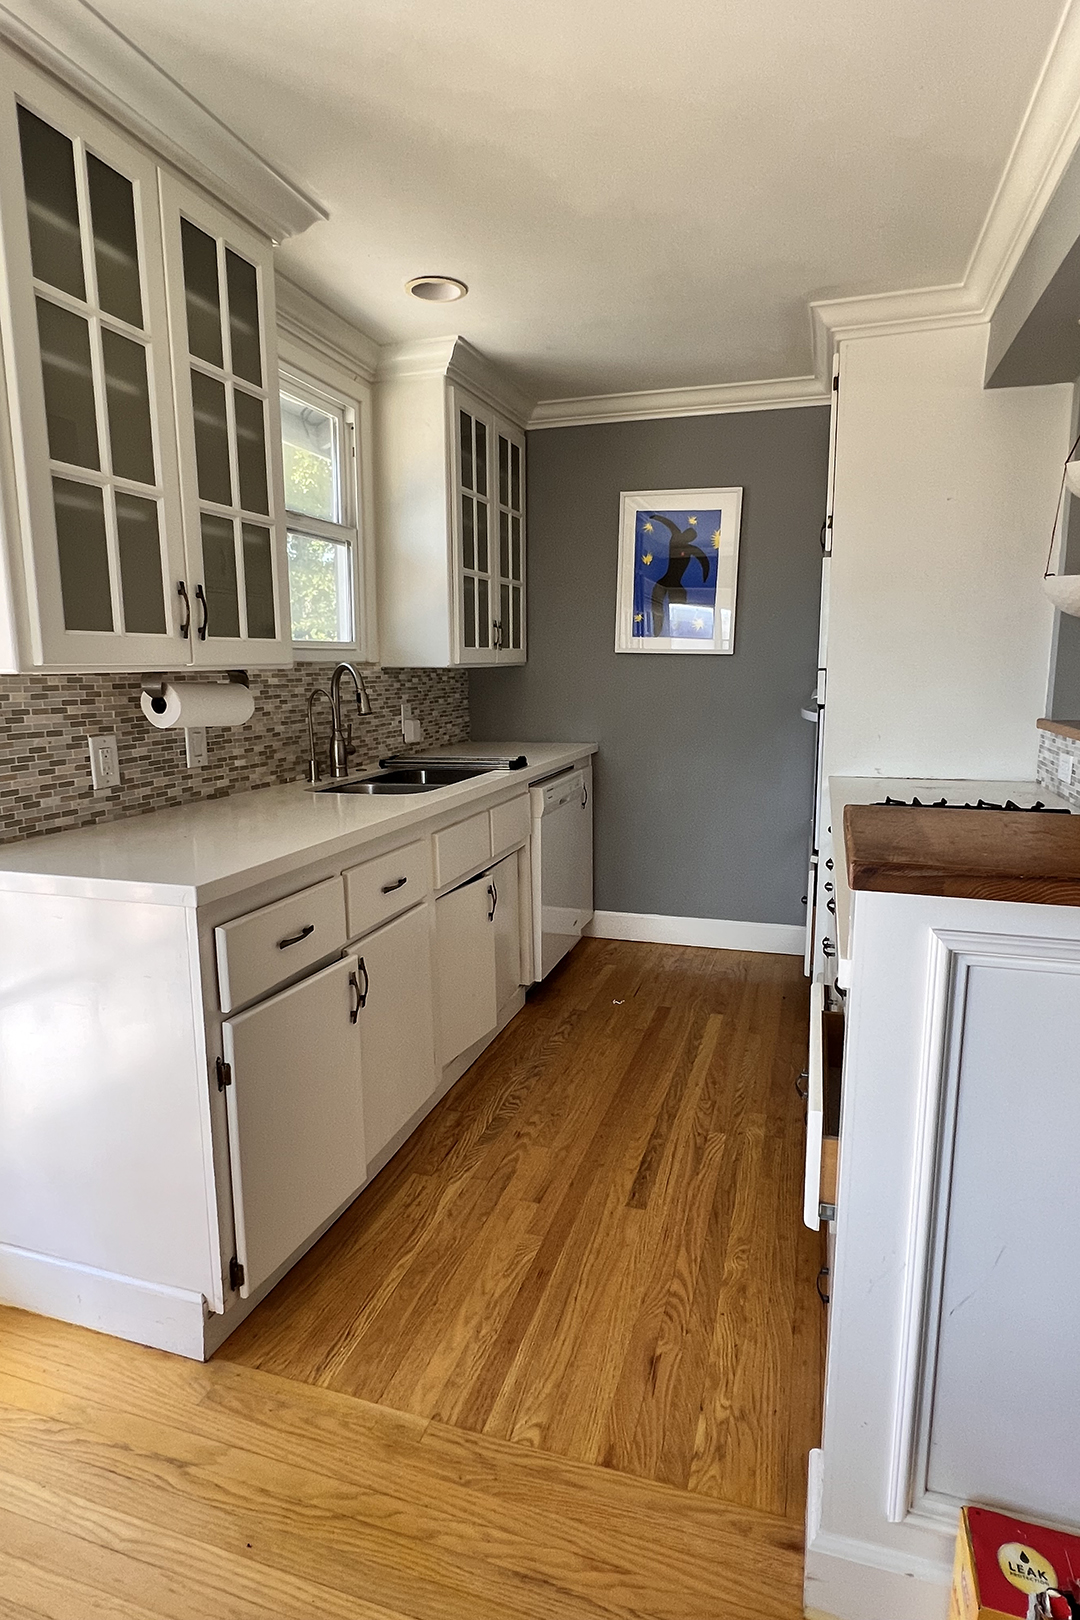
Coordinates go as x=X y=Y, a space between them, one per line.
x=82 y=49
x=1045 y=143
x=473 y=370
x=311 y=323
x=418 y=357
x=779 y=393
x=456 y=359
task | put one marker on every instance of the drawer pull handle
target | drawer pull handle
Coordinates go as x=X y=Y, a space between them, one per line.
x=804 y=1091
x=398 y=883
x=354 y=1010
x=363 y=994
x=294 y=939
x=822 y=1285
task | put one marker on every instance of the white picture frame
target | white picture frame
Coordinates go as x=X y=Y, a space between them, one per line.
x=678 y=570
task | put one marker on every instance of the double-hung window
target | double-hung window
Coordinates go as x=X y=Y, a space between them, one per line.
x=318 y=432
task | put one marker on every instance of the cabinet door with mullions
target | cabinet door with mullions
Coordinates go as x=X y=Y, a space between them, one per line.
x=475 y=538
x=510 y=506
x=86 y=348
x=220 y=286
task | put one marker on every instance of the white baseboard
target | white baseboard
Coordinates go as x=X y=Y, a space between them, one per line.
x=780 y=939
x=857 y=1580
x=146 y=1313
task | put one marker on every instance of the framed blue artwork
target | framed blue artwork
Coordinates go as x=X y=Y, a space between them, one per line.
x=678 y=565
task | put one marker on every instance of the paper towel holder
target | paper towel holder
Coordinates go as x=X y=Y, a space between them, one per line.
x=154 y=685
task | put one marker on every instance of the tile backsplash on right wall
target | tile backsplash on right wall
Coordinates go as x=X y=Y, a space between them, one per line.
x=1057 y=753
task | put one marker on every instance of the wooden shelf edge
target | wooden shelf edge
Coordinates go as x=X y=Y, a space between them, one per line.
x=1059 y=728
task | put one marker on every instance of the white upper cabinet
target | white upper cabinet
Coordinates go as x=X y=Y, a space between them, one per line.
x=451 y=498
x=489 y=535
x=220 y=292
x=142 y=507
x=86 y=344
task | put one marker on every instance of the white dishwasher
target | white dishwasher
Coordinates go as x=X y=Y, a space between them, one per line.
x=562 y=858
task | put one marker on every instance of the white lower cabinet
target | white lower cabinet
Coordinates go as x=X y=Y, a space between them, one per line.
x=465 y=973
x=396 y=1024
x=507 y=925
x=295 y=1113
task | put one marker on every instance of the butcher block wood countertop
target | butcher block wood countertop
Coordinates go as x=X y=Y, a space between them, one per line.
x=968 y=854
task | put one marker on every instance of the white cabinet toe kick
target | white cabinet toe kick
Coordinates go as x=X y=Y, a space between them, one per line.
x=193 y=1088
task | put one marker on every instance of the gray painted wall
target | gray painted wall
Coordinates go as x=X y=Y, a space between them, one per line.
x=703 y=780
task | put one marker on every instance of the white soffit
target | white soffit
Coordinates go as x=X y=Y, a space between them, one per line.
x=80 y=46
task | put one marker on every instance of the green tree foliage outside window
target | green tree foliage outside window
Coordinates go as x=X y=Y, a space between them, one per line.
x=313 y=562
x=313 y=589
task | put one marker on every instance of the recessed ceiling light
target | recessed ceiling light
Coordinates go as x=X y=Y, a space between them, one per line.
x=436 y=289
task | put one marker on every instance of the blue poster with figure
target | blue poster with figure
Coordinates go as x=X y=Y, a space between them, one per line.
x=678 y=559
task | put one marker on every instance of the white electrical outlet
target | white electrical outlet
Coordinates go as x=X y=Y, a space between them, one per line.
x=411 y=730
x=195 y=743
x=1065 y=768
x=104 y=762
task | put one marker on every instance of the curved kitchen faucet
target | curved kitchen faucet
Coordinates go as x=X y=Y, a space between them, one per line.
x=341 y=745
x=341 y=741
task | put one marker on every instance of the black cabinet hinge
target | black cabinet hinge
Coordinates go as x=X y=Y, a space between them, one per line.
x=236 y=1274
x=224 y=1074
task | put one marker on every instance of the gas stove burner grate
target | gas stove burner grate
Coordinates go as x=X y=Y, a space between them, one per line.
x=981 y=804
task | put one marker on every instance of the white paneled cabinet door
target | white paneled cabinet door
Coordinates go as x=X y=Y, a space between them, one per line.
x=295 y=1111
x=507 y=926
x=488 y=482
x=475 y=561
x=467 y=1007
x=510 y=508
x=396 y=1023
x=86 y=345
x=221 y=314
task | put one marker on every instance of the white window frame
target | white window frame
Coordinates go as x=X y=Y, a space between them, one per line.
x=310 y=376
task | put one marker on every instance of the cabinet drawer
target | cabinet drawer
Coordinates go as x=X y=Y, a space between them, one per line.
x=268 y=946
x=462 y=848
x=381 y=888
x=511 y=824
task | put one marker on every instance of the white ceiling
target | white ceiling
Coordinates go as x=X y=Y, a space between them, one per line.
x=640 y=195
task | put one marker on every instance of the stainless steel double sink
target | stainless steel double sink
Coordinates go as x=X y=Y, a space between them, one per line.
x=407 y=779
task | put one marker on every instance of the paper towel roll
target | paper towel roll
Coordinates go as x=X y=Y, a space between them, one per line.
x=199 y=703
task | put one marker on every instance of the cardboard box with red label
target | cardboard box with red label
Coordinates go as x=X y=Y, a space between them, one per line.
x=1002 y=1563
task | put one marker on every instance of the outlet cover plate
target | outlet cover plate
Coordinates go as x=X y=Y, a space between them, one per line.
x=104 y=763
x=195 y=743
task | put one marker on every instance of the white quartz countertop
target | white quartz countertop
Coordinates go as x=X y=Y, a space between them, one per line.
x=844 y=790
x=201 y=852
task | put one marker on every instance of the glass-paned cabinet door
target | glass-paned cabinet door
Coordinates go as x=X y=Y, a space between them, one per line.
x=85 y=338
x=476 y=570
x=220 y=288
x=509 y=625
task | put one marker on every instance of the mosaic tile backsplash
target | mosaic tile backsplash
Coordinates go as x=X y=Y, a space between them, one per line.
x=1053 y=749
x=45 y=721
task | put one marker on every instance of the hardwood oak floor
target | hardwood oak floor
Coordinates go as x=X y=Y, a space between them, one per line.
x=594 y=1246
x=561 y=1361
